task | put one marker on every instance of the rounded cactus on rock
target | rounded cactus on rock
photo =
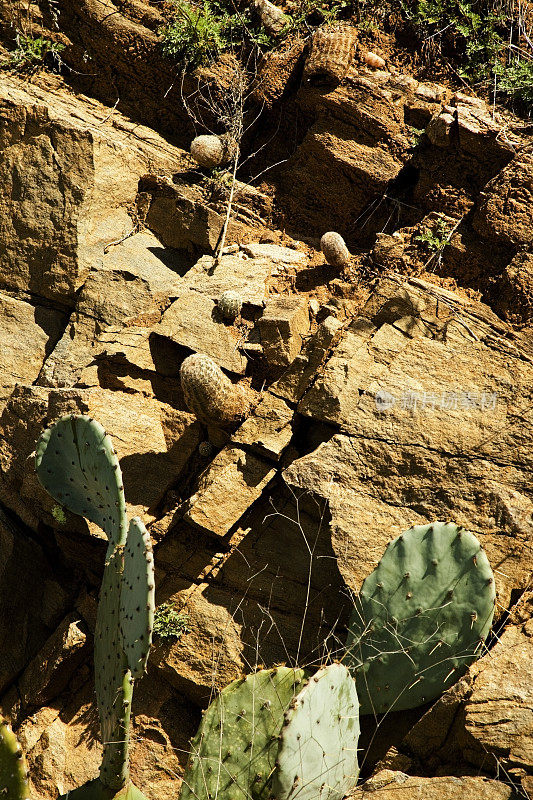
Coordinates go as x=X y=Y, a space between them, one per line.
x=230 y=304
x=211 y=151
x=209 y=394
x=334 y=248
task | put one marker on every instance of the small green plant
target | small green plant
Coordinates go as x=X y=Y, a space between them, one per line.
x=59 y=515
x=31 y=51
x=415 y=136
x=436 y=238
x=195 y=36
x=515 y=81
x=169 y=623
x=489 y=41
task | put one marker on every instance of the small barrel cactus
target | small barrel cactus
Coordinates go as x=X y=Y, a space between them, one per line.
x=230 y=304
x=209 y=394
x=334 y=248
x=272 y=18
x=212 y=151
x=205 y=449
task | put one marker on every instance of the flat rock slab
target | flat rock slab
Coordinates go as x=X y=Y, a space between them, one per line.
x=129 y=283
x=389 y=785
x=301 y=372
x=274 y=252
x=268 y=430
x=193 y=321
x=430 y=429
x=249 y=275
x=238 y=477
x=185 y=663
x=29 y=332
x=69 y=165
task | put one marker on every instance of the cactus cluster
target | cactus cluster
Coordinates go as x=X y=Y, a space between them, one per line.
x=209 y=394
x=421 y=617
x=230 y=304
x=76 y=463
x=334 y=248
x=419 y=620
x=275 y=733
x=13 y=770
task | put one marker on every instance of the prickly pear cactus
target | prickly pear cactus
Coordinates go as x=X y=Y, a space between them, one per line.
x=421 y=617
x=210 y=394
x=334 y=248
x=137 y=597
x=77 y=465
x=13 y=770
x=317 y=756
x=233 y=754
x=230 y=304
x=113 y=680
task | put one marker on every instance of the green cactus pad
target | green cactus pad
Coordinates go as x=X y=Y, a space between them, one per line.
x=13 y=770
x=113 y=681
x=77 y=465
x=317 y=756
x=233 y=754
x=421 y=617
x=95 y=790
x=137 y=597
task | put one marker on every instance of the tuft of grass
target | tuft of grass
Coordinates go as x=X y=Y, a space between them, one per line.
x=169 y=623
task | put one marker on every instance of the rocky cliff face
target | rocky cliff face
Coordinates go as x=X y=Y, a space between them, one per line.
x=392 y=393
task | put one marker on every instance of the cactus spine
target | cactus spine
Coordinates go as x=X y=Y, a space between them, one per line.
x=76 y=463
x=421 y=617
x=209 y=394
x=13 y=770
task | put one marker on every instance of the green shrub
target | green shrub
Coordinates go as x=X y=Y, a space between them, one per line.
x=31 y=51
x=436 y=238
x=515 y=81
x=169 y=623
x=195 y=36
